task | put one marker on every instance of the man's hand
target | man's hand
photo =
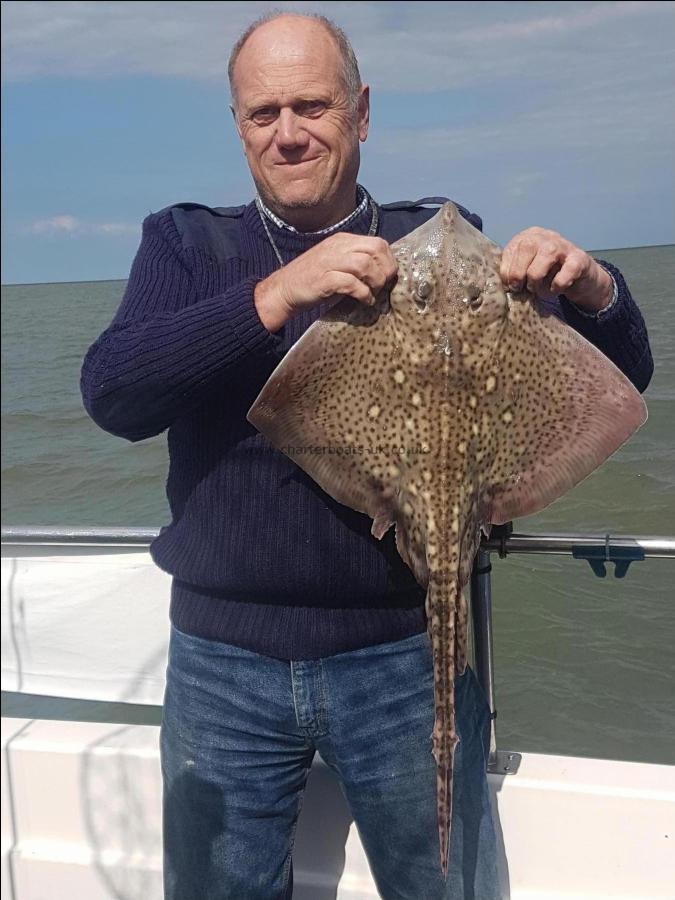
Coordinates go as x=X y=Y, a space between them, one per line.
x=547 y=265
x=355 y=265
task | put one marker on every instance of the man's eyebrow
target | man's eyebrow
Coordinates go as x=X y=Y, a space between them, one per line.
x=265 y=102
x=262 y=103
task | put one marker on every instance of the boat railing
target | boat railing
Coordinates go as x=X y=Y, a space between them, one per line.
x=598 y=550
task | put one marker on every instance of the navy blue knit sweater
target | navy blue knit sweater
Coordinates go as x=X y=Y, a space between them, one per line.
x=261 y=556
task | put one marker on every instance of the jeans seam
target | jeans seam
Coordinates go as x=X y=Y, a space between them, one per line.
x=324 y=708
x=479 y=731
x=289 y=857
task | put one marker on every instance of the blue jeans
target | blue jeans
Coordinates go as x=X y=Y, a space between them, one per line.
x=239 y=731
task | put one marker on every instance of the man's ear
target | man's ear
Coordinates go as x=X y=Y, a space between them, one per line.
x=363 y=111
x=236 y=121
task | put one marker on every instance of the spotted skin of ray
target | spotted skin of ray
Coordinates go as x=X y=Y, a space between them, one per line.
x=448 y=406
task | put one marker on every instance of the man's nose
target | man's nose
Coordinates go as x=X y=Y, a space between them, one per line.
x=290 y=130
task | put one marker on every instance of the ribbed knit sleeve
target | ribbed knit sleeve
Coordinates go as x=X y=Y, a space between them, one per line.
x=166 y=347
x=620 y=334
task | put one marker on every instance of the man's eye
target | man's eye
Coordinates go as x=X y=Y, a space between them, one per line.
x=311 y=107
x=264 y=116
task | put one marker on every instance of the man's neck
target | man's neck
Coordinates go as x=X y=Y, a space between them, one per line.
x=313 y=219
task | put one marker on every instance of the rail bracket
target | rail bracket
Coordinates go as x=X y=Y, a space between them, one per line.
x=504 y=762
x=501 y=533
x=599 y=555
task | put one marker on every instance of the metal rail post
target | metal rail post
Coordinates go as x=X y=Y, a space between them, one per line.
x=481 y=616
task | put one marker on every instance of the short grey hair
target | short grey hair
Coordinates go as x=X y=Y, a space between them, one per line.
x=350 y=67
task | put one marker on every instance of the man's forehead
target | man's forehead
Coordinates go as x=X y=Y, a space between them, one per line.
x=288 y=33
x=279 y=87
x=284 y=51
x=267 y=82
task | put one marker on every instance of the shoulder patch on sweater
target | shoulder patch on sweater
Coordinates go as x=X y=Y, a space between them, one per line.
x=212 y=229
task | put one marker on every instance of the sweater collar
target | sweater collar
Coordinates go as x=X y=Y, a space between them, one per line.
x=361 y=206
x=292 y=243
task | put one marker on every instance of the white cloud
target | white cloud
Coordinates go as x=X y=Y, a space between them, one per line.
x=590 y=16
x=55 y=225
x=115 y=228
x=634 y=123
x=70 y=225
x=401 y=47
x=590 y=74
x=588 y=82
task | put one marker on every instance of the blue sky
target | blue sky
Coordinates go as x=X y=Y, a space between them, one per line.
x=551 y=114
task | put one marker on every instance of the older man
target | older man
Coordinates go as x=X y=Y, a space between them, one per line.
x=292 y=629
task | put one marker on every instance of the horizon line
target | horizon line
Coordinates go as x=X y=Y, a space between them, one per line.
x=126 y=278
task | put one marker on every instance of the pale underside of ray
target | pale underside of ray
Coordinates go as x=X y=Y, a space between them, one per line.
x=449 y=407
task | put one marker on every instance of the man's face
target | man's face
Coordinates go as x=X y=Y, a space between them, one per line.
x=299 y=131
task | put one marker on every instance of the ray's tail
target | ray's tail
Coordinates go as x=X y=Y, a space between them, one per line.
x=442 y=598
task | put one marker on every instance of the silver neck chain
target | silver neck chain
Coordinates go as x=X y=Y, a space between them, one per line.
x=375 y=221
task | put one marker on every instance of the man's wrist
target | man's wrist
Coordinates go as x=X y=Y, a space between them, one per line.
x=603 y=301
x=269 y=303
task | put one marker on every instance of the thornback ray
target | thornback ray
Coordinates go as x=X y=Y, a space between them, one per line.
x=448 y=406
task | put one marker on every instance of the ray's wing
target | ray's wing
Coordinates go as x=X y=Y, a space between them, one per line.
x=327 y=408
x=559 y=408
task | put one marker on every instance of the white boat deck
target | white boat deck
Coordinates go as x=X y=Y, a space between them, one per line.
x=82 y=818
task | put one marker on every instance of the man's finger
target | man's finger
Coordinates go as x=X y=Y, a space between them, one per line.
x=369 y=269
x=542 y=270
x=505 y=263
x=378 y=270
x=374 y=248
x=353 y=287
x=507 y=257
x=523 y=254
x=573 y=268
x=381 y=251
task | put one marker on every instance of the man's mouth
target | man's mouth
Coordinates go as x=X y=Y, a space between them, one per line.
x=298 y=162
